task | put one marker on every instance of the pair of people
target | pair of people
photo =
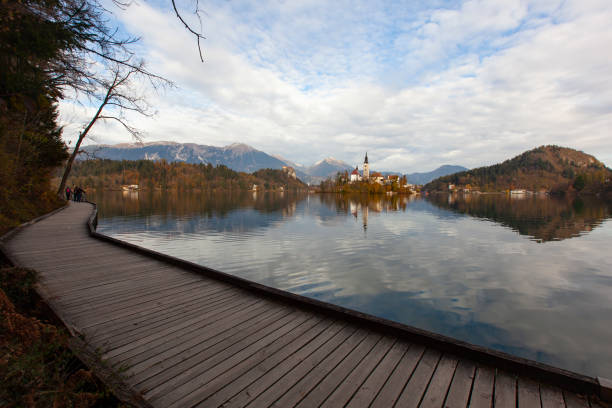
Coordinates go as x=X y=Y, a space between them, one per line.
x=76 y=193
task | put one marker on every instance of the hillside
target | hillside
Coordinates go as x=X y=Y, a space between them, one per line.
x=545 y=168
x=152 y=175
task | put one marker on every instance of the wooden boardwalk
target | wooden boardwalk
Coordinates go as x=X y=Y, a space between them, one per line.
x=182 y=339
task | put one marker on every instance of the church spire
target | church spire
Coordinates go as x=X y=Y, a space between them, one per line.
x=366 y=168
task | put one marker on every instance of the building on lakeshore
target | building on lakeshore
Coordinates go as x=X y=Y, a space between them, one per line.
x=290 y=172
x=355 y=176
x=377 y=177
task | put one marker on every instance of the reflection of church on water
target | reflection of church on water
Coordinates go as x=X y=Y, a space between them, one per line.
x=355 y=208
x=377 y=205
x=364 y=209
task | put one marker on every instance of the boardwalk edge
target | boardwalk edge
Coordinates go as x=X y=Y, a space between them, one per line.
x=605 y=388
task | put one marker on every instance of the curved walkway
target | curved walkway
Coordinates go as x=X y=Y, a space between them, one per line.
x=181 y=339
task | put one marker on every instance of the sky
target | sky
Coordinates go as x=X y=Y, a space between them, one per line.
x=415 y=84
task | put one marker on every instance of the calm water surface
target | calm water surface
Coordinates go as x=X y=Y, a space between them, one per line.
x=531 y=276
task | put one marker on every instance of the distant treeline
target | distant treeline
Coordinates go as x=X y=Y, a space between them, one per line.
x=152 y=175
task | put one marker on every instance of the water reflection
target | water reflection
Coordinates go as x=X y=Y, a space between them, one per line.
x=455 y=267
x=540 y=217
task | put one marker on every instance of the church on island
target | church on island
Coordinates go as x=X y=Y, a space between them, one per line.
x=374 y=177
x=356 y=176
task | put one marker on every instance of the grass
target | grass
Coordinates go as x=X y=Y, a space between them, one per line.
x=37 y=368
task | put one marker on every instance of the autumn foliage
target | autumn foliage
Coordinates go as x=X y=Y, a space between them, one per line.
x=37 y=368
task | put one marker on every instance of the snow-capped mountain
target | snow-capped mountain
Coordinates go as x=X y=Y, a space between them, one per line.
x=237 y=156
x=327 y=167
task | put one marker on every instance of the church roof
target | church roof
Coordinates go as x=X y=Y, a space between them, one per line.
x=355 y=171
x=366 y=158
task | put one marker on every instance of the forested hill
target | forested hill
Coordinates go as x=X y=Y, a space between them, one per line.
x=150 y=175
x=546 y=168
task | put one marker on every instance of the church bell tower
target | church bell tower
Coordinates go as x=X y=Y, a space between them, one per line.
x=366 y=168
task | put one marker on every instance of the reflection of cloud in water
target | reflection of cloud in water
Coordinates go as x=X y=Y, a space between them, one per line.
x=440 y=270
x=400 y=226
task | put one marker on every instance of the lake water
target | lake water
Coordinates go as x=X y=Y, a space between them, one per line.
x=531 y=276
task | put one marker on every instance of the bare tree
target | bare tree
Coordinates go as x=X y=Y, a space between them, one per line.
x=116 y=97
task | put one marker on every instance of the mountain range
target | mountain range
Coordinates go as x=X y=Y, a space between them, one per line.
x=238 y=157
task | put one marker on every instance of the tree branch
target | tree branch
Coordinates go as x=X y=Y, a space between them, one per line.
x=198 y=35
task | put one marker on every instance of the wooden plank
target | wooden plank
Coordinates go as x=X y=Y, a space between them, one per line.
x=369 y=389
x=573 y=400
x=108 y=265
x=179 y=372
x=299 y=390
x=267 y=397
x=124 y=287
x=143 y=313
x=438 y=387
x=154 y=360
x=126 y=336
x=482 y=391
x=347 y=388
x=505 y=390
x=390 y=392
x=60 y=251
x=70 y=286
x=461 y=385
x=416 y=386
x=288 y=368
x=175 y=311
x=124 y=310
x=76 y=283
x=114 y=287
x=229 y=389
x=551 y=397
x=528 y=393
x=115 y=305
x=184 y=304
x=200 y=395
x=103 y=256
x=337 y=376
x=125 y=296
x=185 y=385
x=227 y=317
x=208 y=318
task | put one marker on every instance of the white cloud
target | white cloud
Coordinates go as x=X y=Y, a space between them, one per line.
x=471 y=84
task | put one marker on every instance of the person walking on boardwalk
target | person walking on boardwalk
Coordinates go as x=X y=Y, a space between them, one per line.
x=68 y=193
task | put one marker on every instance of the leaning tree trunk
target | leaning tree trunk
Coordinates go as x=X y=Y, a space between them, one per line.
x=74 y=154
